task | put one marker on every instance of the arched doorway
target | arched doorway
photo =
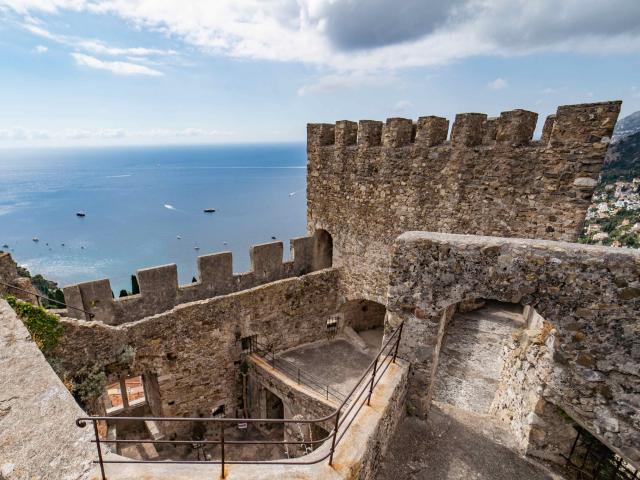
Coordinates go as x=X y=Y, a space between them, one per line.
x=366 y=318
x=322 y=250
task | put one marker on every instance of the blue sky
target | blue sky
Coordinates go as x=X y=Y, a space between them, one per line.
x=113 y=72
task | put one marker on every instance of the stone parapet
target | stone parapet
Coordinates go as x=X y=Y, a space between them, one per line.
x=159 y=289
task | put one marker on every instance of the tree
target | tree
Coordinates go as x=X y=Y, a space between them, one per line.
x=123 y=293
x=135 y=288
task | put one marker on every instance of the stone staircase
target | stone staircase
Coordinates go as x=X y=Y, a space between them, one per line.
x=472 y=355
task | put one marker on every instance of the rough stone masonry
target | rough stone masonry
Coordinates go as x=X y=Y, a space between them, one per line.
x=589 y=294
x=368 y=182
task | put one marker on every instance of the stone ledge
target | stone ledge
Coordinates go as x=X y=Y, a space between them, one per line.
x=38 y=435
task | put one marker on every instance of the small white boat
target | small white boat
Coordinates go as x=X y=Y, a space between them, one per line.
x=209 y=210
x=179 y=237
x=196 y=248
x=35 y=239
x=81 y=214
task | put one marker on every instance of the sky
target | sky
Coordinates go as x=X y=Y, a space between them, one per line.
x=118 y=72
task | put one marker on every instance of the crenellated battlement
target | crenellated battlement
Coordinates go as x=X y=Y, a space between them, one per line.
x=371 y=181
x=160 y=291
x=584 y=123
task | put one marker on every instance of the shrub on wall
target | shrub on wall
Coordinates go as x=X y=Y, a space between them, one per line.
x=44 y=327
x=89 y=384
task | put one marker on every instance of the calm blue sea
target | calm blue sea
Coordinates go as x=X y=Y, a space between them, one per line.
x=138 y=200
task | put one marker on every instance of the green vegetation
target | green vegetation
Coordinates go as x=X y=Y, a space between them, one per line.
x=47 y=288
x=135 y=288
x=44 y=327
x=89 y=384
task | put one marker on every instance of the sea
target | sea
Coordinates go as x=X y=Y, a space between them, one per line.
x=144 y=206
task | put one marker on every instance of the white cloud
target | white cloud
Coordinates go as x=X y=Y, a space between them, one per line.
x=337 y=82
x=40 y=49
x=80 y=134
x=402 y=105
x=119 y=68
x=94 y=46
x=497 y=84
x=19 y=133
x=371 y=35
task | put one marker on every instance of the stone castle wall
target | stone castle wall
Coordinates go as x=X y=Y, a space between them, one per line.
x=9 y=278
x=368 y=182
x=38 y=435
x=159 y=290
x=589 y=294
x=194 y=349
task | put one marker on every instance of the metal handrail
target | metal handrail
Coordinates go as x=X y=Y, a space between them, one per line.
x=292 y=370
x=91 y=315
x=339 y=416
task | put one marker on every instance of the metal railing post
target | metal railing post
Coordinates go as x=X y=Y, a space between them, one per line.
x=95 y=431
x=333 y=440
x=222 y=449
x=395 y=353
x=373 y=379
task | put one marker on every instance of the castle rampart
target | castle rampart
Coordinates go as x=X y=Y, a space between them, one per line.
x=368 y=182
x=191 y=348
x=159 y=289
x=589 y=295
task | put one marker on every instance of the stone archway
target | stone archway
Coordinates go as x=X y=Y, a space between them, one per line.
x=589 y=295
x=322 y=249
x=367 y=319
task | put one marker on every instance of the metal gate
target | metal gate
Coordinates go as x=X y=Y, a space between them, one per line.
x=590 y=459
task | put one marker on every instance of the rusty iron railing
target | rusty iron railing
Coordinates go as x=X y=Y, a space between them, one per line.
x=39 y=296
x=341 y=418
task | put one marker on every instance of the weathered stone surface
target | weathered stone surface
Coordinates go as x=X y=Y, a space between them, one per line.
x=38 y=435
x=491 y=179
x=159 y=289
x=9 y=278
x=574 y=287
x=192 y=348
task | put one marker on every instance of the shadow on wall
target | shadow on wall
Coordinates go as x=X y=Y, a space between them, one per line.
x=322 y=250
x=363 y=315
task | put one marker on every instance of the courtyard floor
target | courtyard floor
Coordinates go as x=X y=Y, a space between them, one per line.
x=337 y=363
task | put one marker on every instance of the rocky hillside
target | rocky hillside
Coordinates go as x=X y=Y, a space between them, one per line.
x=627 y=125
x=614 y=215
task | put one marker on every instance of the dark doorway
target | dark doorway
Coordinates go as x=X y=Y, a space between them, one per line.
x=322 y=250
x=274 y=406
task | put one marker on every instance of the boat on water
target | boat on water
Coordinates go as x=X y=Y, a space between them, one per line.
x=81 y=214
x=209 y=210
x=35 y=239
